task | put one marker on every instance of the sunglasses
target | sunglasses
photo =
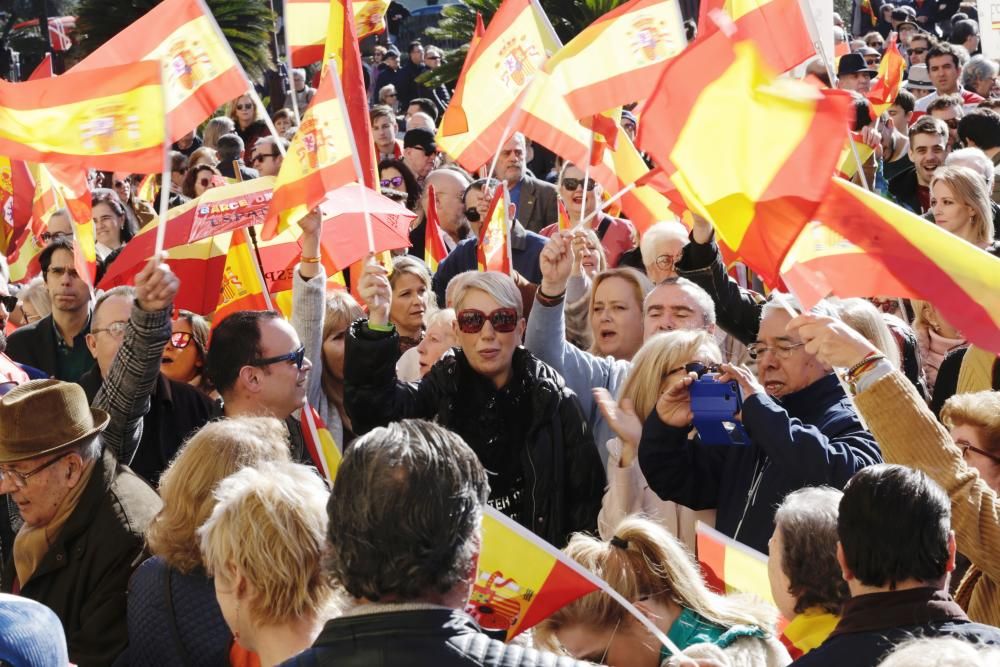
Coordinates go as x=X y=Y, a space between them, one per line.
x=572 y=184
x=503 y=320
x=261 y=156
x=918 y=52
x=393 y=182
x=432 y=57
x=297 y=357
x=244 y=107
x=180 y=340
x=472 y=214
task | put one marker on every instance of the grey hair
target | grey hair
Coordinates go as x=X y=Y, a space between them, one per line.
x=808 y=522
x=405 y=512
x=500 y=287
x=663 y=230
x=454 y=285
x=300 y=71
x=695 y=291
x=126 y=291
x=783 y=302
x=942 y=652
x=979 y=68
x=37 y=295
x=91 y=449
x=975 y=159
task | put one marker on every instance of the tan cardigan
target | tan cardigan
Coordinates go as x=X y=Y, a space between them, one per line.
x=909 y=434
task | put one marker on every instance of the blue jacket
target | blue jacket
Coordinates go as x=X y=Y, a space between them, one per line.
x=812 y=437
x=525 y=247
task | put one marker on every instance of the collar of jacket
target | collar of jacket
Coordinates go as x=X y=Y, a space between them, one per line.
x=816 y=398
x=422 y=623
x=895 y=609
x=81 y=518
x=518 y=236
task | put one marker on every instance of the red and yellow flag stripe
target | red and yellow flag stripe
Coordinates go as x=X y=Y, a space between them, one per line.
x=493 y=252
x=777 y=26
x=886 y=85
x=434 y=249
x=307 y=24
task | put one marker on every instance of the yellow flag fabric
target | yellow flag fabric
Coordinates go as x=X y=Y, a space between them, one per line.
x=307 y=22
x=320 y=443
x=241 y=288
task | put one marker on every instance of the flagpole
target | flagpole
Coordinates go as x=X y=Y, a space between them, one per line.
x=291 y=70
x=258 y=271
x=161 y=227
x=518 y=108
x=604 y=205
x=355 y=158
x=586 y=181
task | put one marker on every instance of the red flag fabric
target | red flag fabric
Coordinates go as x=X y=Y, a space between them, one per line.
x=434 y=250
x=777 y=26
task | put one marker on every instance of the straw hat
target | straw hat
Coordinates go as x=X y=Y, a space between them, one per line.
x=45 y=416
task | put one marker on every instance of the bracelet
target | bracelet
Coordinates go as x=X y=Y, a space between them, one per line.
x=855 y=371
x=553 y=298
x=309 y=260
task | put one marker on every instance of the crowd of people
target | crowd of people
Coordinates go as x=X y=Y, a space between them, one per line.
x=160 y=500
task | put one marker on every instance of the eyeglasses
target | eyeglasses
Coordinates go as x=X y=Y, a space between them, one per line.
x=60 y=271
x=180 y=340
x=52 y=236
x=966 y=447
x=696 y=367
x=244 y=107
x=918 y=52
x=756 y=350
x=872 y=61
x=260 y=157
x=116 y=329
x=667 y=262
x=503 y=320
x=297 y=357
x=572 y=184
x=20 y=479
x=393 y=182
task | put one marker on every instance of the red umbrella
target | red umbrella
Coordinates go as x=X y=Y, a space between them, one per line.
x=345 y=239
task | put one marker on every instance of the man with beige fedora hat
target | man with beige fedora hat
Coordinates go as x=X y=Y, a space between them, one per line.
x=84 y=515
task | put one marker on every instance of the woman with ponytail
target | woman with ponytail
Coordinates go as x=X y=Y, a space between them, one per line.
x=650 y=568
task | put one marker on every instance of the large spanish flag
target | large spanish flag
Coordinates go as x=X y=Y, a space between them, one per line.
x=493 y=252
x=518 y=40
x=434 y=249
x=200 y=71
x=743 y=148
x=454 y=120
x=927 y=262
x=521 y=579
x=107 y=119
x=318 y=160
x=777 y=26
x=306 y=23
x=643 y=205
x=618 y=57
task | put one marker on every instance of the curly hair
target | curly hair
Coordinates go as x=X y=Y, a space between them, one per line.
x=216 y=451
x=405 y=512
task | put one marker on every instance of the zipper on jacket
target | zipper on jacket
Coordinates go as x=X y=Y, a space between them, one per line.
x=752 y=492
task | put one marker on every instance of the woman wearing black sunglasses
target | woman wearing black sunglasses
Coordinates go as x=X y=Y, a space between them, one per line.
x=514 y=411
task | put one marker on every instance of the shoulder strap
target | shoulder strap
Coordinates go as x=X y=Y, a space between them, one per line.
x=172 y=618
x=602 y=228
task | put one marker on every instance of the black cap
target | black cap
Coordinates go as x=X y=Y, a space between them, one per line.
x=853 y=63
x=418 y=137
x=391 y=52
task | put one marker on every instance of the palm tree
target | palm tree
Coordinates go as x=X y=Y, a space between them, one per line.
x=568 y=18
x=247 y=25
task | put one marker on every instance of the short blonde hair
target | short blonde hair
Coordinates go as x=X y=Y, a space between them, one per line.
x=215 y=128
x=499 y=286
x=38 y=296
x=269 y=524
x=216 y=451
x=867 y=320
x=651 y=563
x=658 y=356
x=641 y=286
x=980 y=410
x=969 y=189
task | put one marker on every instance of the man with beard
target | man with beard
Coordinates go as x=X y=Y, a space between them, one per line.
x=928 y=149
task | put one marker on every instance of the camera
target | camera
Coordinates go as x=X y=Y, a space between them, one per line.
x=715 y=405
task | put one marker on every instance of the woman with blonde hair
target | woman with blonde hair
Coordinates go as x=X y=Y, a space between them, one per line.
x=664 y=357
x=616 y=323
x=936 y=338
x=173 y=618
x=589 y=259
x=215 y=128
x=340 y=310
x=961 y=205
x=249 y=123
x=649 y=567
x=412 y=300
x=264 y=545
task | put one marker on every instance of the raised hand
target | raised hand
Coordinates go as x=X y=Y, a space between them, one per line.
x=375 y=291
x=674 y=404
x=623 y=421
x=833 y=342
x=556 y=263
x=156 y=285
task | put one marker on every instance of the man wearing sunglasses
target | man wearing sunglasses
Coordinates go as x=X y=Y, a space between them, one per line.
x=257 y=363
x=266 y=157
x=535 y=201
x=514 y=411
x=175 y=409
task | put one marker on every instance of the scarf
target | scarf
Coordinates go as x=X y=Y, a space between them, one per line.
x=933 y=349
x=32 y=542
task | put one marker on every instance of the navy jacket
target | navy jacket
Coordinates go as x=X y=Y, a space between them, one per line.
x=525 y=249
x=873 y=625
x=812 y=437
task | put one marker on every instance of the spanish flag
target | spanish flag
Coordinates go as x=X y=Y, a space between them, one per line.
x=493 y=248
x=434 y=250
x=618 y=58
x=322 y=448
x=318 y=160
x=886 y=85
x=241 y=288
x=517 y=42
x=521 y=579
x=16 y=188
x=744 y=148
x=200 y=71
x=847 y=165
x=454 y=120
x=605 y=128
x=147 y=188
x=107 y=119
x=306 y=24
x=564 y=221
x=777 y=26
x=643 y=205
x=927 y=262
